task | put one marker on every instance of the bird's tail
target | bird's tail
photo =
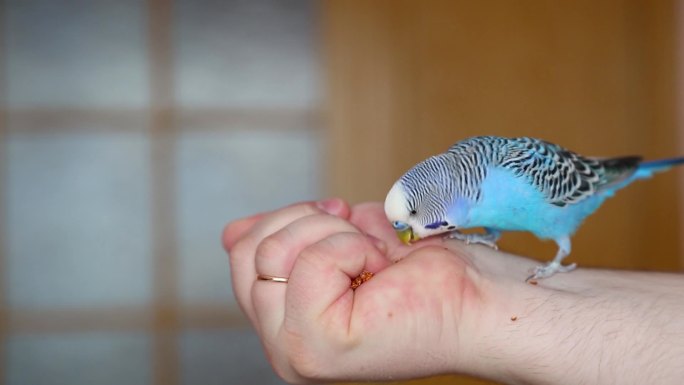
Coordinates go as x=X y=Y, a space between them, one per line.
x=646 y=169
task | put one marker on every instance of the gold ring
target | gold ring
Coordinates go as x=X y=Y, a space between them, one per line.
x=263 y=277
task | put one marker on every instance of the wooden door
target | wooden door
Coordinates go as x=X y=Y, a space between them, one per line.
x=406 y=79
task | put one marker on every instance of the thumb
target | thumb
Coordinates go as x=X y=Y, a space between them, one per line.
x=335 y=206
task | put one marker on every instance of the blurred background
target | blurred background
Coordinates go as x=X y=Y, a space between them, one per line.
x=132 y=131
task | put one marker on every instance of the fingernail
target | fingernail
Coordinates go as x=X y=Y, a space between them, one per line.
x=330 y=205
x=378 y=243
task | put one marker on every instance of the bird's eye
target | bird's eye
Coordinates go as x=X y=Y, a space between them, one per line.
x=414 y=212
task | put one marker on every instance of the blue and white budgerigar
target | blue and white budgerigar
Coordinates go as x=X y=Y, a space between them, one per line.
x=509 y=184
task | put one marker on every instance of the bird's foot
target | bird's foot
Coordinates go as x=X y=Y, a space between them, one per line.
x=550 y=269
x=488 y=239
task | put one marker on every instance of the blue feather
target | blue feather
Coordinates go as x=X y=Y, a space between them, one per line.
x=650 y=167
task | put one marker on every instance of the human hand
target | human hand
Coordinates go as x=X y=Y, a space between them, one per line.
x=443 y=308
x=414 y=318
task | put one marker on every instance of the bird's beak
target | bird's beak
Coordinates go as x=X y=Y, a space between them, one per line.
x=406 y=236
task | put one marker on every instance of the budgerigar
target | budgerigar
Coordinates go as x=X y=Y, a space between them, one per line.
x=509 y=184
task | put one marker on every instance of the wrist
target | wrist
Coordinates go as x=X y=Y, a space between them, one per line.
x=520 y=332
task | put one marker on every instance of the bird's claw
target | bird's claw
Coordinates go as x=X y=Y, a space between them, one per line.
x=550 y=269
x=483 y=239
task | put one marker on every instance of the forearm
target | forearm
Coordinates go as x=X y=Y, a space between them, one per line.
x=590 y=326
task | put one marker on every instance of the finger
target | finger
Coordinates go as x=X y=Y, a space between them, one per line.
x=320 y=279
x=241 y=253
x=237 y=229
x=284 y=216
x=276 y=255
x=335 y=206
x=241 y=248
x=370 y=217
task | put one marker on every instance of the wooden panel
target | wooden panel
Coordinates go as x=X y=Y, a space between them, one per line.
x=166 y=356
x=406 y=79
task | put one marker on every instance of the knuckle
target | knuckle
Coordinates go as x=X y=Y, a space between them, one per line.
x=226 y=235
x=300 y=211
x=272 y=246
x=294 y=361
x=309 y=209
x=331 y=246
x=347 y=239
x=238 y=253
x=336 y=243
x=279 y=362
x=308 y=369
x=313 y=254
x=306 y=362
x=287 y=373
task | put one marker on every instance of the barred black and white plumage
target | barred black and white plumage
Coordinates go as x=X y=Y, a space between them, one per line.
x=563 y=176
x=510 y=184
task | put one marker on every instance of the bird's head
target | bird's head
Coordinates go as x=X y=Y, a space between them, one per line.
x=400 y=213
x=417 y=204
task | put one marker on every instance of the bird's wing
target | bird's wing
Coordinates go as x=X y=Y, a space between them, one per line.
x=563 y=176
